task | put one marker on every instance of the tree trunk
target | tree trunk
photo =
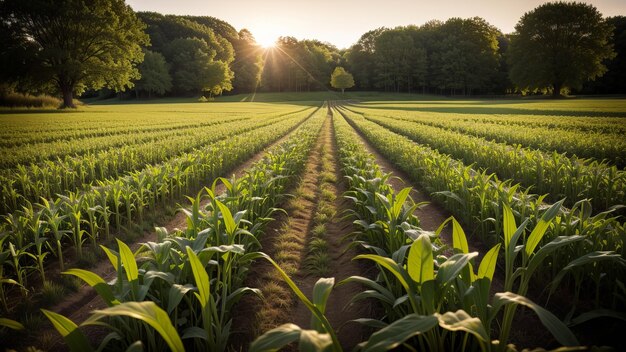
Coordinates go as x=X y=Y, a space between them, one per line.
x=557 y=90
x=68 y=96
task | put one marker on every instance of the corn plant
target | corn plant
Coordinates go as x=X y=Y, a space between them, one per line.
x=5 y=256
x=196 y=276
x=141 y=315
x=554 y=174
x=51 y=213
x=477 y=198
x=73 y=207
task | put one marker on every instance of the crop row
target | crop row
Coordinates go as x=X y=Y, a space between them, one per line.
x=29 y=129
x=552 y=173
x=11 y=157
x=431 y=299
x=192 y=279
x=599 y=146
x=30 y=183
x=39 y=139
x=31 y=234
x=564 y=121
x=479 y=200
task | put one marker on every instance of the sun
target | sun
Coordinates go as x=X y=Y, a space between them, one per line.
x=266 y=42
x=266 y=36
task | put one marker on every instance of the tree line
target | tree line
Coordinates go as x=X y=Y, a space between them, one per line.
x=69 y=47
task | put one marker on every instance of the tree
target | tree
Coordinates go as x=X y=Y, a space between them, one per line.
x=559 y=45
x=341 y=79
x=75 y=45
x=248 y=62
x=218 y=78
x=466 y=54
x=155 y=76
x=399 y=61
x=361 y=60
x=614 y=80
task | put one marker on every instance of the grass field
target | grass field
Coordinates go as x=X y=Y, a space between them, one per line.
x=126 y=197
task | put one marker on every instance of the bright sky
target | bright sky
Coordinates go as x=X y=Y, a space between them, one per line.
x=342 y=22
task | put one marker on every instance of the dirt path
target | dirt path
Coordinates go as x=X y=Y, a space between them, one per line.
x=338 y=311
x=286 y=241
x=79 y=305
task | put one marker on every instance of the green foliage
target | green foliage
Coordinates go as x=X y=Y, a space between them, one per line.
x=155 y=76
x=458 y=55
x=298 y=65
x=74 y=44
x=559 y=45
x=341 y=79
x=248 y=65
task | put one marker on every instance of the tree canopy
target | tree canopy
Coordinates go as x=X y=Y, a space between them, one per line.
x=155 y=76
x=341 y=79
x=299 y=65
x=559 y=45
x=456 y=55
x=72 y=45
x=55 y=46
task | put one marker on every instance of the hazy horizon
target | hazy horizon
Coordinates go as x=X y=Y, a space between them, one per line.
x=342 y=23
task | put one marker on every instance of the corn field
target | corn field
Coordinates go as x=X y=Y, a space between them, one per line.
x=535 y=207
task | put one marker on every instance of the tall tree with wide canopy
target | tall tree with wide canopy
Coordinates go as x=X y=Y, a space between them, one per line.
x=73 y=44
x=465 y=55
x=559 y=45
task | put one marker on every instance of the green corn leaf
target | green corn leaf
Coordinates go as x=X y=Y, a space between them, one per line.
x=149 y=313
x=128 y=261
x=229 y=222
x=443 y=225
x=598 y=313
x=11 y=324
x=461 y=321
x=137 y=346
x=542 y=226
x=276 y=339
x=176 y=294
x=313 y=341
x=459 y=240
x=588 y=258
x=399 y=201
x=548 y=249
x=75 y=339
x=200 y=276
x=399 y=331
x=560 y=332
x=509 y=226
x=487 y=266
x=98 y=283
x=420 y=263
x=113 y=257
x=319 y=315
x=390 y=265
x=389 y=296
x=452 y=267
x=321 y=292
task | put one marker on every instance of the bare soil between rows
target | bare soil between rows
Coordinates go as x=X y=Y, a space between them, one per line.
x=299 y=223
